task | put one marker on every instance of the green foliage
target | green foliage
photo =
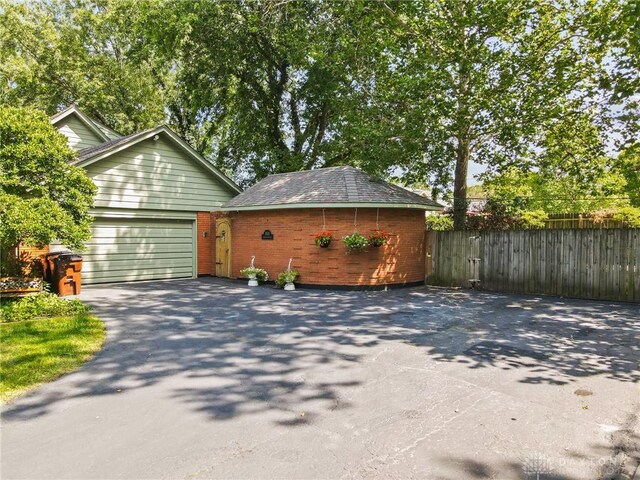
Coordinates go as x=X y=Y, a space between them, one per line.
x=628 y=165
x=42 y=196
x=566 y=180
x=476 y=191
x=286 y=277
x=614 y=29
x=43 y=305
x=270 y=87
x=572 y=174
x=411 y=89
x=532 y=219
x=480 y=81
x=90 y=53
x=35 y=352
x=629 y=215
x=439 y=223
x=355 y=241
x=259 y=273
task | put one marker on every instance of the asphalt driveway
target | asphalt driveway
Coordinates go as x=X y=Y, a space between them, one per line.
x=207 y=379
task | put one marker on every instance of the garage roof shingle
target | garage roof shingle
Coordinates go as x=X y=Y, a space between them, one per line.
x=335 y=185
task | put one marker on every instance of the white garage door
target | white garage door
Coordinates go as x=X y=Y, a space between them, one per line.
x=123 y=250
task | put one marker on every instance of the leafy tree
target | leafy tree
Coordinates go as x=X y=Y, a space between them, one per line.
x=615 y=30
x=42 y=196
x=628 y=165
x=57 y=52
x=514 y=191
x=569 y=173
x=484 y=78
x=268 y=87
x=411 y=90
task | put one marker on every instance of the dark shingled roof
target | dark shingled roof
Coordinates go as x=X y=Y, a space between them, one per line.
x=89 y=152
x=346 y=185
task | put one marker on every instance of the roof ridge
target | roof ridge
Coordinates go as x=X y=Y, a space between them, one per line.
x=350 y=184
x=295 y=172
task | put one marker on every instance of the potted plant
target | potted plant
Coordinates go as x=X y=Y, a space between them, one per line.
x=355 y=241
x=378 y=238
x=323 y=239
x=286 y=279
x=254 y=274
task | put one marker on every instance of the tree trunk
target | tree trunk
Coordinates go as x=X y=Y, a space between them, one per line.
x=460 y=185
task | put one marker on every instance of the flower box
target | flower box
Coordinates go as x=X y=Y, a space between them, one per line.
x=20 y=286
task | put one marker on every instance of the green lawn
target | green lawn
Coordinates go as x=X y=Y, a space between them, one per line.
x=37 y=351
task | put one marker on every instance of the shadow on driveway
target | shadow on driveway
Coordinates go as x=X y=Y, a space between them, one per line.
x=227 y=351
x=262 y=340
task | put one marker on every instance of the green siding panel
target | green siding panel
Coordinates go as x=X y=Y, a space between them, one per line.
x=130 y=249
x=156 y=175
x=77 y=133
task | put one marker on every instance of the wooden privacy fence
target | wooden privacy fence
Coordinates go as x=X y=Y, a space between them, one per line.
x=580 y=220
x=583 y=263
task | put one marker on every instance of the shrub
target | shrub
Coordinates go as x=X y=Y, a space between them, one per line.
x=439 y=223
x=531 y=219
x=43 y=305
x=286 y=277
x=356 y=241
x=629 y=215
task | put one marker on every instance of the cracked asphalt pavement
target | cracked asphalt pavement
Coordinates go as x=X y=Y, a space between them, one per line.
x=212 y=379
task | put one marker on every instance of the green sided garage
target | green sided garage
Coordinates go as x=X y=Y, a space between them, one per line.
x=130 y=249
x=153 y=190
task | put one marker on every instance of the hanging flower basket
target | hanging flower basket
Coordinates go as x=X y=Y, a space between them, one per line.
x=378 y=238
x=323 y=239
x=355 y=242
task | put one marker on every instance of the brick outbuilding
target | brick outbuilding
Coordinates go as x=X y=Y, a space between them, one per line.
x=278 y=218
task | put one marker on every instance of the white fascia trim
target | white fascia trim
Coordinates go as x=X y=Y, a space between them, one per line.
x=331 y=205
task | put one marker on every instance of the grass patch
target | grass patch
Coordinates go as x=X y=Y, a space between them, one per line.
x=37 y=351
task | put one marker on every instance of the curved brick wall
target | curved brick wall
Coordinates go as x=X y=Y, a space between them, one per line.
x=402 y=260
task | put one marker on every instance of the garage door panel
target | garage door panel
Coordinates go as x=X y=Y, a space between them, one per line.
x=114 y=242
x=156 y=249
x=142 y=233
x=155 y=274
x=116 y=263
x=155 y=256
x=128 y=249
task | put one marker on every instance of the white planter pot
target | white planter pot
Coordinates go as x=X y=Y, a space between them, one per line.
x=253 y=281
x=289 y=286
